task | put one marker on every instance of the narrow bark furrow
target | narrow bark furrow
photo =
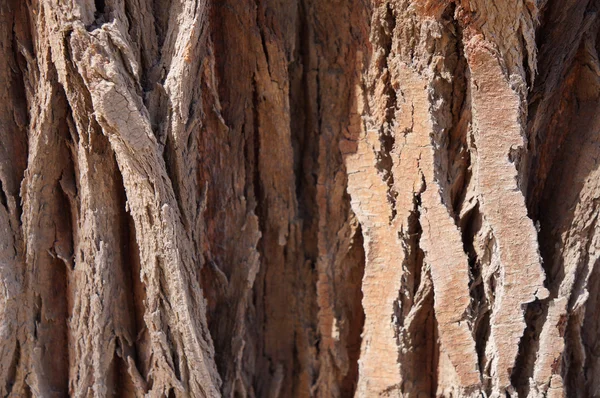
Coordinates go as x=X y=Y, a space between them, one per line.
x=49 y=251
x=14 y=117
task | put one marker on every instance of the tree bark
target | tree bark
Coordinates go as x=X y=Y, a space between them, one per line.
x=297 y=198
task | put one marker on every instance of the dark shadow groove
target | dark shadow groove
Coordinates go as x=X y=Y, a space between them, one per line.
x=356 y=316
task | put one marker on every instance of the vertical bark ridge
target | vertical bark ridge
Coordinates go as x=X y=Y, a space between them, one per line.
x=152 y=204
x=413 y=173
x=515 y=291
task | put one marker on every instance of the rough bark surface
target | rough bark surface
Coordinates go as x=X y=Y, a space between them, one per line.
x=297 y=198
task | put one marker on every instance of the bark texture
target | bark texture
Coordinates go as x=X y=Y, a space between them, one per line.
x=298 y=198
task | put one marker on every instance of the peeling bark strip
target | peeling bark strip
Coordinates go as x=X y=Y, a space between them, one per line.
x=297 y=198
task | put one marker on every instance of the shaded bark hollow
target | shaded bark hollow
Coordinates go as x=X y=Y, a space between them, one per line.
x=298 y=198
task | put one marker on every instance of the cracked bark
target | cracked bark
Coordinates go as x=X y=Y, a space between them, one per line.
x=259 y=198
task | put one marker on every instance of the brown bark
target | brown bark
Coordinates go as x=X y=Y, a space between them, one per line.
x=295 y=198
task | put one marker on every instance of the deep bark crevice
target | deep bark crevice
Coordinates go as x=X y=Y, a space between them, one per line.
x=357 y=319
x=12 y=372
x=3 y=199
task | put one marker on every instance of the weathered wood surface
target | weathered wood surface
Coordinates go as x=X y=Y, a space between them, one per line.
x=296 y=198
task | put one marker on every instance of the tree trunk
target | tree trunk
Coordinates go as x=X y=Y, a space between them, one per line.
x=297 y=198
